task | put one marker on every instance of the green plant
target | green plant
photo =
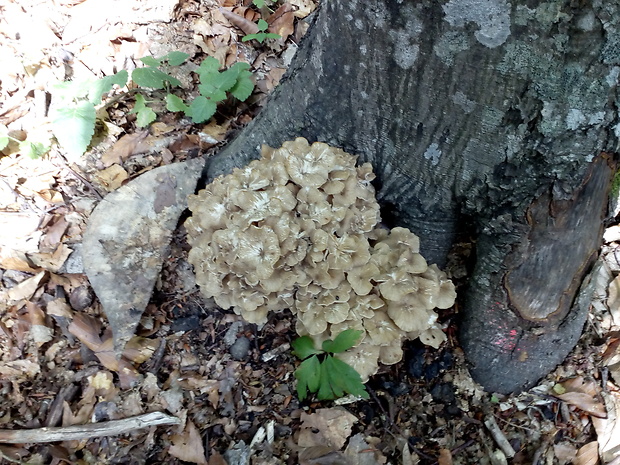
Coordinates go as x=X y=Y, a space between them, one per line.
x=325 y=374
x=74 y=109
x=261 y=36
x=28 y=148
x=214 y=85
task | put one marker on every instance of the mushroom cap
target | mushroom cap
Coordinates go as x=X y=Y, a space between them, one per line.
x=411 y=315
x=381 y=329
x=433 y=337
x=391 y=354
x=361 y=277
x=364 y=359
x=257 y=250
x=311 y=316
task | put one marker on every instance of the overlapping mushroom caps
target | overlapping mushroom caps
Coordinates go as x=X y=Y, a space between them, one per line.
x=298 y=229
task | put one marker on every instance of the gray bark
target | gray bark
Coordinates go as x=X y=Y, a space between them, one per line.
x=476 y=115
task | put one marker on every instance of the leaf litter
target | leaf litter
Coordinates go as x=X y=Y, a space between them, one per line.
x=57 y=365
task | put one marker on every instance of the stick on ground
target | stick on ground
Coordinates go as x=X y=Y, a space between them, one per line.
x=92 y=430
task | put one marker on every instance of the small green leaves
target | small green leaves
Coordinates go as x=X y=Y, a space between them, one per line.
x=74 y=126
x=214 y=87
x=344 y=341
x=201 y=109
x=174 y=58
x=304 y=347
x=259 y=3
x=174 y=103
x=73 y=113
x=262 y=35
x=145 y=115
x=33 y=150
x=324 y=374
x=105 y=84
x=153 y=78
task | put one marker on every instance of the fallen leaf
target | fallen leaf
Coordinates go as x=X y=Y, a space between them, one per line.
x=587 y=455
x=608 y=429
x=53 y=235
x=445 y=457
x=87 y=330
x=216 y=459
x=51 y=261
x=39 y=331
x=123 y=148
x=328 y=427
x=26 y=289
x=304 y=7
x=282 y=21
x=112 y=178
x=565 y=452
x=613 y=300
x=188 y=445
x=362 y=453
x=584 y=395
x=247 y=26
x=19 y=369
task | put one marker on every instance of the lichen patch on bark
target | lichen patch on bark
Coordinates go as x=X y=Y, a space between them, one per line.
x=492 y=16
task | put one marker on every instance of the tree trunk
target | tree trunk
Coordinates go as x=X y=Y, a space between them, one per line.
x=480 y=117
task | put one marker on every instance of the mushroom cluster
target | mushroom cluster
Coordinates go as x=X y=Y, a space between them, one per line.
x=298 y=229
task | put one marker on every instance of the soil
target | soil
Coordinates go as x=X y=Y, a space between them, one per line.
x=229 y=385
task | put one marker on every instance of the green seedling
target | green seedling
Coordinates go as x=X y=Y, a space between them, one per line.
x=74 y=104
x=261 y=36
x=27 y=148
x=322 y=373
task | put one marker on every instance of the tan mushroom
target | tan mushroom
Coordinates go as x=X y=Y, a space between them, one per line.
x=298 y=229
x=361 y=278
x=364 y=358
x=391 y=354
x=381 y=329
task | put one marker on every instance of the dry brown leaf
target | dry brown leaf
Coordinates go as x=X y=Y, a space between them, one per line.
x=19 y=369
x=59 y=308
x=53 y=235
x=39 y=331
x=445 y=457
x=613 y=301
x=113 y=177
x=87 y=330
x=51 y=261
x=26 y=289
x=608 y=429
x=565 y=452
x=304 y=7
x=123 y=148
x=140 y=349
x=188 y=445
x=360 y=452
x=282 y=21
x=332 y=425
x=587 y=455
x=247 y=26
x=584 y=395
x=216 y=459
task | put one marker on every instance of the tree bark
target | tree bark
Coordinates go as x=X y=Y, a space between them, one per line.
x=480 y=117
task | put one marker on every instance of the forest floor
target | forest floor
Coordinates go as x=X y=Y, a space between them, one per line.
x=225 y=388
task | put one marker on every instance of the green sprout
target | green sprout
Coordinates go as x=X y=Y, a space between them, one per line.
x=322 y=373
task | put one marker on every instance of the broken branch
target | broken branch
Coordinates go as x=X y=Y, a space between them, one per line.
x=92 y=430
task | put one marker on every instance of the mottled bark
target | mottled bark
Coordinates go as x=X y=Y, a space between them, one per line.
x=475 y=113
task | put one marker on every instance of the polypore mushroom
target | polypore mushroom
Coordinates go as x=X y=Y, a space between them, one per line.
x=299 y=229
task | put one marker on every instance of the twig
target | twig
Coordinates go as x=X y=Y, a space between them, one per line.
x=91 y=430
x=499 y=437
